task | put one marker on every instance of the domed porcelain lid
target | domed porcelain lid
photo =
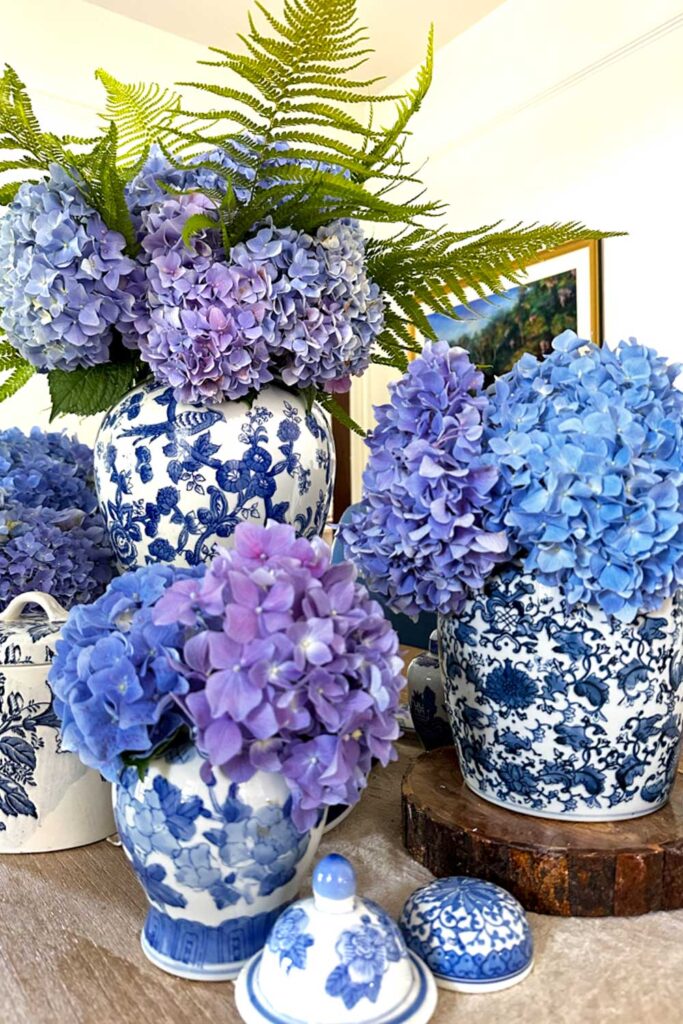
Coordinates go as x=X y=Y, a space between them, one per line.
x=335 y=959
x=473 y=935
x=28 y=637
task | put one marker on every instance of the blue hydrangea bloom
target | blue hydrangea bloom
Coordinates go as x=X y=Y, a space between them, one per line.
x=62 y=276
x=419 y=536
x=589 y=447
x=63 y=553
x=114 y=676
x=48 y=469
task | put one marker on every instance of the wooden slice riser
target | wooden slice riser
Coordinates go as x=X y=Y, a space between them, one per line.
x=552 y=867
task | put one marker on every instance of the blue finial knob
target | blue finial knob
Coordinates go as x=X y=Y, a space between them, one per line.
x=334 y=880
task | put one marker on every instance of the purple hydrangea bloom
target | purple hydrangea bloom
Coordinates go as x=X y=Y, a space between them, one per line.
x=146 y=188
x=63 y=276
x=419 y=536
x=115 y=673
x=589 y=445
x=283 y=304
x=48 y=469
x=293 y=667
x=328 y=312
x=64 y=553
x=206 y=325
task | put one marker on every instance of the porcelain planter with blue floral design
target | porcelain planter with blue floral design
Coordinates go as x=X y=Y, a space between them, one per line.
x=559 y=712
x=218 y=862
x=173 y=479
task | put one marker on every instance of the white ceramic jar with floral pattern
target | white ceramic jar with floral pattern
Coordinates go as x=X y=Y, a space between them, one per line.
x=49 y=800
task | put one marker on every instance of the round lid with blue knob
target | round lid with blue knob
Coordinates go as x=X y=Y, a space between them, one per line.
x=335 y=959
x=473 y=935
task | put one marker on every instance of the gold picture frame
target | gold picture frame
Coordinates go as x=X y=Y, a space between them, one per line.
x=560 y=290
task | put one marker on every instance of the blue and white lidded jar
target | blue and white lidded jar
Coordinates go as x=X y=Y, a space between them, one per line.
x=427 y=698
x=335 y=959
x=49 y=800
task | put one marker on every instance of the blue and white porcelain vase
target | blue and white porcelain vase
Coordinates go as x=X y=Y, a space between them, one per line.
x=49 y=800
x=559 y=712
x=426 y=697
x=218 y=862
x=174 y=479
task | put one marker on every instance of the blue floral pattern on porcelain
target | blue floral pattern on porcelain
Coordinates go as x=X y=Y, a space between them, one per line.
x=563 y=712
x=335 y=957
x=217 y=861
x=470 y=933
x=365 y=952
x=173 y=479
x=289 y=938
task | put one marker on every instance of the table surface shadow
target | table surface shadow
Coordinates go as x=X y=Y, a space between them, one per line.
x=70 y=923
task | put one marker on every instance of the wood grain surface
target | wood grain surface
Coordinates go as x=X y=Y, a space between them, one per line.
x=553 y=867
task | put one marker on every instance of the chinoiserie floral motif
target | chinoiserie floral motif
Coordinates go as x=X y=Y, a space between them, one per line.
x=562 y=712
x=174 y=479
x=23 y=723
x=218 y=861
x=48 y=799
x=365 y=952
x=289 y=938
x=467 y=930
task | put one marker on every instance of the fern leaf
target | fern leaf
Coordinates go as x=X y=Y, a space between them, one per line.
x=143 y=114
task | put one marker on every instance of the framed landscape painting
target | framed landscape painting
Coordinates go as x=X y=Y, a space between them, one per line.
x=558 y=293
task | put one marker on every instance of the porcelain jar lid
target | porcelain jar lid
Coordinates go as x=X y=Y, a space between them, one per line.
x=29 y=628
x=335 y=959
x=473 y=935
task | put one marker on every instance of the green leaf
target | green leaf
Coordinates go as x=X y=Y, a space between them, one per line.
x=87 y=391
x=336 y=410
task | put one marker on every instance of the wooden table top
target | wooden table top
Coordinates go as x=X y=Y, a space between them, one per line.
x=70 y=952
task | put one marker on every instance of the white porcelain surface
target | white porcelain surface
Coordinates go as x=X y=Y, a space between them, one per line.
x=335 y=959
x=564 y=712
x=173 y=480
x=217 y=862
x=49 y=800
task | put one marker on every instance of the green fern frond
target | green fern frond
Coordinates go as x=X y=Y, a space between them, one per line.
x=143 y=114
x=20 y=371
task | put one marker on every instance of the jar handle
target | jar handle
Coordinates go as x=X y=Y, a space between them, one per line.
x=52 y=608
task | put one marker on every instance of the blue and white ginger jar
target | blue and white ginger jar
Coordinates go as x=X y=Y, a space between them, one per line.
x=217 y=862
x=335 y=959
x=49 y=800
x=473 y=935
x=559 y=712
x=426 y=697
x=174 y=479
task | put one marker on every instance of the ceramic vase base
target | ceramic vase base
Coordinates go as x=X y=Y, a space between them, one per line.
x=208 y=972
x=586 y=819
x=417 y=1008
x=471 y=987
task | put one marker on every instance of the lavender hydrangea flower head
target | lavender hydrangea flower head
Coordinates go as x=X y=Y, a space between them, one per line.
x=63 y=553
x=589 y=443
x=62 y=276
x=115 y=673
x=147 y=187
x=328 y=311
x=207 y=326
x=48 y=469
x=293 y=668
x=419 y=536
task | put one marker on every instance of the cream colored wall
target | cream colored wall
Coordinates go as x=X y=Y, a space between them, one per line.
x=55 y=46
x=544 y=111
